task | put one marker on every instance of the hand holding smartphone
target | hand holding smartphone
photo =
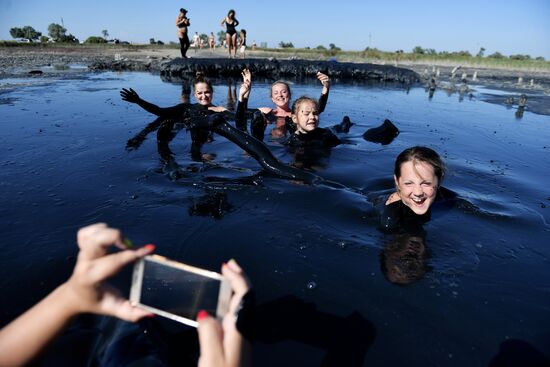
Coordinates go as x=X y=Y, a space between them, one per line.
x=178 y=291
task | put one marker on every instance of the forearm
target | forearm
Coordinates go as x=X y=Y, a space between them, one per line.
x=323 y=99
x=26 y=336
x=149 y=107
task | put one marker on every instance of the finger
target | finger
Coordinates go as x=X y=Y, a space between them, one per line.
x=94 y=240
x=210 y=339
x=108 y=266
x=114 y=304
x=236 y=278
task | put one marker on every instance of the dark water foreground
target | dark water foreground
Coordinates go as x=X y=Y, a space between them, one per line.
x=313 y=252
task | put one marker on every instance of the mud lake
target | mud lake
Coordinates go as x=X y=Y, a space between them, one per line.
x=313 y=253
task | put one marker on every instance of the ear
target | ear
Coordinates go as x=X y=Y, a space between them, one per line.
x=396 y=181
x=294 y=119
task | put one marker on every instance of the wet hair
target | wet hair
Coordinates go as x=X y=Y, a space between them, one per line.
x=280 y=82
x=421 y=154
x=231 y=12
x=301 y=100
x=199 y=78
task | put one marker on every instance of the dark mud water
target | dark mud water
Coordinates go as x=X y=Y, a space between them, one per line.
x=64 y=164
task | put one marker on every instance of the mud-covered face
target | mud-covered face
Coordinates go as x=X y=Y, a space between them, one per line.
x=306 y=117
x=280 y=95
x=203 y=94
x=417 y=186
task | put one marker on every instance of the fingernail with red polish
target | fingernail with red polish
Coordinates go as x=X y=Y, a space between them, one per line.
x=150 y=247
x=202 y=315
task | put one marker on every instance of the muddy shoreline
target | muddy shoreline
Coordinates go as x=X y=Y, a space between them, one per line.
x=22 y=62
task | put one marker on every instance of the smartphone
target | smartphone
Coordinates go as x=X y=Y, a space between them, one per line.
x=178 y=291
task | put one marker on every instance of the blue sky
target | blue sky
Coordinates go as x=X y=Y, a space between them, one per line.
x=510 y=27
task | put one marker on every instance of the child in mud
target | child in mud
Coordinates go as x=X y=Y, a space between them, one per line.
x=305 y=115
x=418 y=173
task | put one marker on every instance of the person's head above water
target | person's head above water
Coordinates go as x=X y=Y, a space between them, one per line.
x=305 y=114
x=418 y=173
x=203 y=90
x=280 y=94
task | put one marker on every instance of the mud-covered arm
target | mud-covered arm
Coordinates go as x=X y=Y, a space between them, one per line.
x=244 y=93
x=130 y=95
x=240 y=114
x=325 y=81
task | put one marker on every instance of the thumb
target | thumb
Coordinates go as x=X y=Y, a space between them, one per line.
x=210 y=340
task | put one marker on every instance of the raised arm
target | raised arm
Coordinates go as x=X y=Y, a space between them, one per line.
x=325 y=81
x=130 y=95
x=85 y=291
x=242 y=105
x=223 y=21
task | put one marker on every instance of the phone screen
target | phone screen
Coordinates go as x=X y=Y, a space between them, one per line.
x=177 y=289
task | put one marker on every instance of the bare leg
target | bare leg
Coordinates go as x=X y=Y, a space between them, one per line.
x=234 y=41
x=228 y=41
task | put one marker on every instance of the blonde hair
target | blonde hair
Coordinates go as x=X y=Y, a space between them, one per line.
x=302 y=100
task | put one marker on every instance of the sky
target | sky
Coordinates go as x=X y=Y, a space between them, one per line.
x=509 y=27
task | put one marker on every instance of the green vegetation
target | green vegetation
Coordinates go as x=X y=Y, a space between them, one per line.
x=95 y=39
x=283 y=44
x=58 y=34
x=27 y=32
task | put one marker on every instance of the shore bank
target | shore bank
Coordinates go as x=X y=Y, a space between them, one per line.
x=18 y=62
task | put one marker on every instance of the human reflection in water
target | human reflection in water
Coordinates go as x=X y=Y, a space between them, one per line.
x=185 y=92
x=214 y=204
x=403 y=260
x=522 y=103
x=231 y=95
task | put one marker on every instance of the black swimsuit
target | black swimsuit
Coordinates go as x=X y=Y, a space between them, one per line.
x=231 y=27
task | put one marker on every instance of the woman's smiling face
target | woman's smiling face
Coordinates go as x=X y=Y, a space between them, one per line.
x=203 y=94
x=280 y=95
x=417 y=185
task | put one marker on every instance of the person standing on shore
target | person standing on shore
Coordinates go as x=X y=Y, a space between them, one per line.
x=196 y=41
x=231 y=23
x=211 y=41
x=242 y=42
x=182 y=22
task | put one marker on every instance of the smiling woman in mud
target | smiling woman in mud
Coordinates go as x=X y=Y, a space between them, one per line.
x=203 y=92
x=418 y=173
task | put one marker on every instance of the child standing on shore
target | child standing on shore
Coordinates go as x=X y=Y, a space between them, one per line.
x=242 y=42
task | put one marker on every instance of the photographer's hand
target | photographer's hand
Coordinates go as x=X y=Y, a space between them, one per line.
x=222 y=344
x=26 y=336
x=94 y=266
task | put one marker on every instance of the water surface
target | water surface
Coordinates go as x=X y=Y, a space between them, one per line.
x=65 y=164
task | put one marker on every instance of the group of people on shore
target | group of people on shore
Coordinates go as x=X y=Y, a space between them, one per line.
x=418 y=172
x=233 y=40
